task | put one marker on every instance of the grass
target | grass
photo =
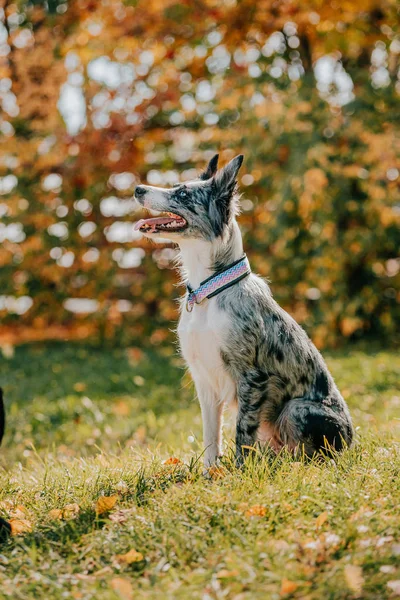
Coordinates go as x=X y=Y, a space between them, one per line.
x=85 y=423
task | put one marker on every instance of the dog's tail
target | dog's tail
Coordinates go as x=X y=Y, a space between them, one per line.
x=2 y=416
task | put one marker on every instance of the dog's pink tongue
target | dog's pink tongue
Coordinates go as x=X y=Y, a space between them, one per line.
x=139 y=224
x=151 y=222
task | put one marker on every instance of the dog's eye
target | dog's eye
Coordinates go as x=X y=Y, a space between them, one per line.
x=182 y=194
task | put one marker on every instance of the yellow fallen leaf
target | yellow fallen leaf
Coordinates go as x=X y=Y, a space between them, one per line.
x=79 y=386
x=123 y=587
x=225 y=574
x=122 y=409
x=217 y=472
x=354 y=578
x=70 y=510
x=56 y=513
x=20 y=526
x=172 y=460
x=288 y=587
x=130 y=557
x=321 y=519
x=105 y=503
x=256 y=511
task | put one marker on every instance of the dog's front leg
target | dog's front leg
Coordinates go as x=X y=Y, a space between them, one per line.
x=211 y=412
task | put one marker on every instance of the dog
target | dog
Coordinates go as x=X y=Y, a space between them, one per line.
x=242 y=349
x=5 y=527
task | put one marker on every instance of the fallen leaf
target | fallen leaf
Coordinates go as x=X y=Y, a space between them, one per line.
x=256 y=511
x=122 y=409
x=79 y=386
x=225 y=574
x=130 y=557
x=105 y=503
x=172 y=461
x=394 y=586
x=321 y=519
x=56 y=513
x=216 y=473
x=120 y=516
x=288 y=587
x=70 y=511
x=123 y=587
x=354 y=578
x=20 y=526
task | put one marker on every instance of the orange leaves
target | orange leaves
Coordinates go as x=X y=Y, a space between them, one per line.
x=19 y=526
x=321 y=519
x=216 y=472
x=226 y=574
x=122 y=587
x=257 y=510
x=172 y=461
x=105 y=503
x=70 y=511
x=288 y=587
x=132 y=556
x=354 y=579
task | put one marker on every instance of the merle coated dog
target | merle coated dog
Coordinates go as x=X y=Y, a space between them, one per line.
x=241 y=347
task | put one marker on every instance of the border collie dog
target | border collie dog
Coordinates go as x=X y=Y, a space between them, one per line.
x=241 y=347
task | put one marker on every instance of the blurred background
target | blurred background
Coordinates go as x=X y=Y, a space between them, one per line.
x=97 y=96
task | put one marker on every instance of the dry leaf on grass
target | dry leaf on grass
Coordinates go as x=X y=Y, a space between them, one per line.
x=225 y=574
x=130 y=557
x=216 y=473
x=69 y=511
x=321 y=519
x=123 y=587
x=394 y=586
x=256 y=511
x=20 y=526
x=105 y=503
x=354 y=578
x=79 y=386
x=120 y=516
x=172 y=460
x=288 y=587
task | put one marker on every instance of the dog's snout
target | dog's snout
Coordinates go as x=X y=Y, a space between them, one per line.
x=140 y=191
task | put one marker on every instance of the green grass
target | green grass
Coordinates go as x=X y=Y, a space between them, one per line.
x=83 y=423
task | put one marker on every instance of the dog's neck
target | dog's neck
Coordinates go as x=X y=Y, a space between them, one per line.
x=201 y=259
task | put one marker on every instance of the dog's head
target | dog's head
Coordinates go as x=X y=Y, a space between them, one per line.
x=200 y=209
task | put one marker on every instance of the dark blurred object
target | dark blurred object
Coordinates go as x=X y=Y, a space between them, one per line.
x=5 y=528
x=2 y=416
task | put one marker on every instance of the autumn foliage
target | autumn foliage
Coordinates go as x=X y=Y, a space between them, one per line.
x=97 y=96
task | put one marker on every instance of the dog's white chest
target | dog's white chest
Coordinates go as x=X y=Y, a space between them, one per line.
x=202 y=333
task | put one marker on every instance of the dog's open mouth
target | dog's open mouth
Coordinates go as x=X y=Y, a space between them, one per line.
x=170 y=222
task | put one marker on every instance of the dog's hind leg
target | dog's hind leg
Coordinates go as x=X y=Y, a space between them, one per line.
x=251 y=399
x=314 y=427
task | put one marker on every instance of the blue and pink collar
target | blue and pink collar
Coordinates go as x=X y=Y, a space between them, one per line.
x=217 y=283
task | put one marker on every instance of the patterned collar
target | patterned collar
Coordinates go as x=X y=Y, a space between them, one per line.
x=217 y=283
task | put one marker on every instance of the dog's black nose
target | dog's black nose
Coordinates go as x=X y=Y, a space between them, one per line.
x=140 y=191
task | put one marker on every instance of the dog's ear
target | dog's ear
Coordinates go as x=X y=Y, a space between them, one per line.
x=211 y=168
x=225 y=179
x=225 y=199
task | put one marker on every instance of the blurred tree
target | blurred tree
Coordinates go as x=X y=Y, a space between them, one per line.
x=99 y=95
